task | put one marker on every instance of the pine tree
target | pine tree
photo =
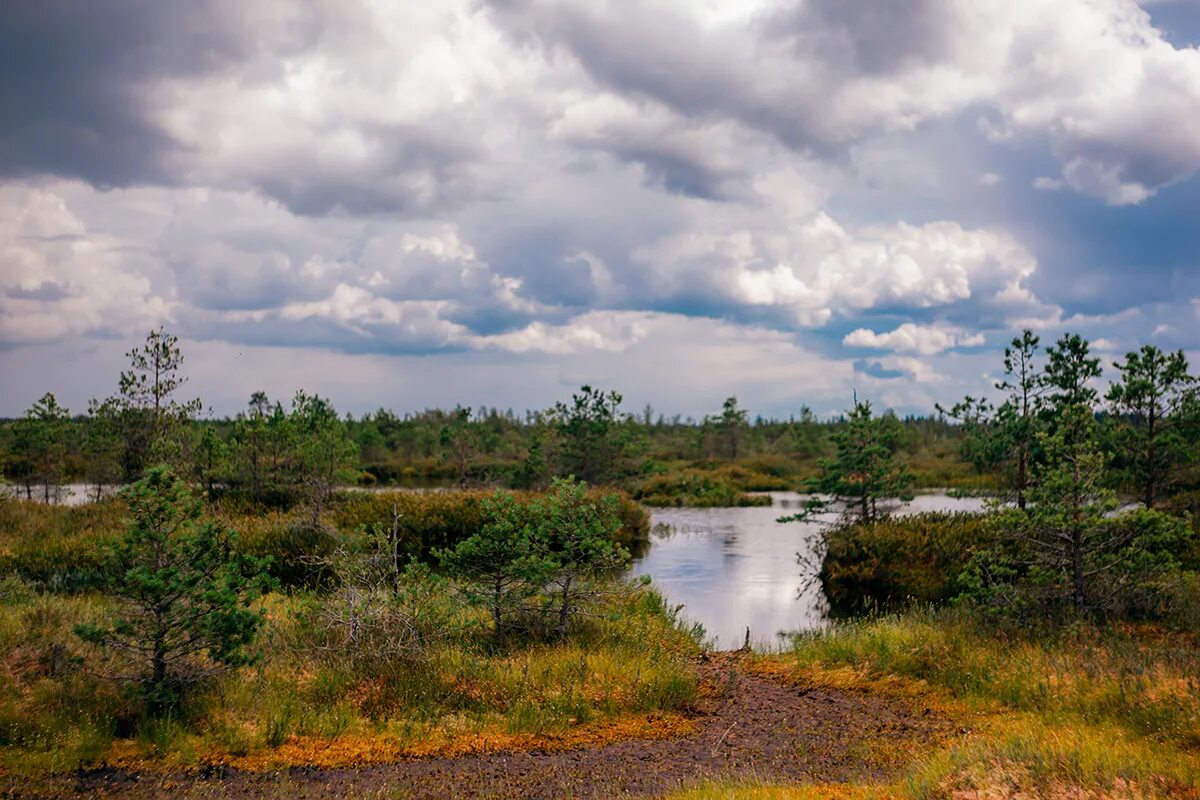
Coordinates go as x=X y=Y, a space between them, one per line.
x=151 y=412
x=1148 y=399
x=184 y=594
x=863 y=470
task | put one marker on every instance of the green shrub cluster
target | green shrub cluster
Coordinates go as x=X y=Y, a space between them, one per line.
x=433 y=520
x=61 y=548
x=58 y=548
x=697 y=488
x=974 y=559
x=898 y=560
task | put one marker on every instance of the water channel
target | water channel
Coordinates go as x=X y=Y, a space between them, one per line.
x=733 y=568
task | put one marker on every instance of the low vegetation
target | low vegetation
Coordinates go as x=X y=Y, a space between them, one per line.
x=176 y=659
x=1091 y=712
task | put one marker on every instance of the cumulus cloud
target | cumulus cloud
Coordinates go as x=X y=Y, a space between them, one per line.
x=911 y=338
x=1115 y=100
x=60 y=280
x=814 y=268
x=540 y=179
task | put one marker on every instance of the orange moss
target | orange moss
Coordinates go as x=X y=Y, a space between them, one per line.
x=358 y=750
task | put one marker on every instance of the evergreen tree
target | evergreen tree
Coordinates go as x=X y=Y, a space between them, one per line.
x=500 y=566
x=575 y=538
x=184 y=594
x=325 y=454
x=732 y=426
x=863 y=469
x=1017 y=420
x=103 y=446
x=1069 y=371
x=1152 y=391
x=1068 y=552
x=592 y=440
x=461 y=440
x=153 y=418
x=48 y=426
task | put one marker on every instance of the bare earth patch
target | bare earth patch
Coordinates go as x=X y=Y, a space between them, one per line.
x=748 y=725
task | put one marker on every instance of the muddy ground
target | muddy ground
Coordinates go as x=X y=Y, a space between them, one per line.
x=753 y=726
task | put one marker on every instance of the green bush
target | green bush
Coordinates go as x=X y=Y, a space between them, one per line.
x=435 y=520
x=184 y=595
x=898 y=560
x=296 y=548
x=62 y=549
x=1135 y=573
x=58 y=548
x=695 y=488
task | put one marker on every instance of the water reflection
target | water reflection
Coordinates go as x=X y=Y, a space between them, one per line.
x=734 y=568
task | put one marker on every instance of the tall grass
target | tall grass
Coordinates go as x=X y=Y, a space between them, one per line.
x=627 y=657
x=1139 y=679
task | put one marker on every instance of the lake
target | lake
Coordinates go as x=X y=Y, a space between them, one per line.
x=733 y=568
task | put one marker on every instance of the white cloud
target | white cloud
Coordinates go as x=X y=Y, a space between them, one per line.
x=60 y=280
x=815 y=268
x=911 y=338
x=1117 y=103
x=1048 y=184
x=612 y=332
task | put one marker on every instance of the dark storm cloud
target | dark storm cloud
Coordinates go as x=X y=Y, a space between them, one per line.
x=70 y=74
x=874 y=369
x=866 y=36
x=48 y=291
x=77 y=81
x=658 y=55
x=418 y=169
x=676 y=172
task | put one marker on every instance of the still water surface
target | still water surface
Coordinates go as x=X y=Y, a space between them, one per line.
x=734 y=568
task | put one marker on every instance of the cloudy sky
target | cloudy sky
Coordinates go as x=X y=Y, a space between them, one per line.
x=408 y=203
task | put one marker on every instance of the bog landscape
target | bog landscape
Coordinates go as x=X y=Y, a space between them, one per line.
x=539 y=399
x=294 y=601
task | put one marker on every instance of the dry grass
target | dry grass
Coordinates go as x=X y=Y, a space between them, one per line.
x=1097 y=714
x=628 y=670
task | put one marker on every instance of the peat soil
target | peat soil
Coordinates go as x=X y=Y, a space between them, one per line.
x=751 y=727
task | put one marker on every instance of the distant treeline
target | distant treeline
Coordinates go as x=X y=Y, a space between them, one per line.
x=277 y=452
x=280 y=452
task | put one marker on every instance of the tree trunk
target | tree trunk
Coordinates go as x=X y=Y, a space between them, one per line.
x=1151 y=457
x=564 y=609
x=1078 y=595
x=497 y=596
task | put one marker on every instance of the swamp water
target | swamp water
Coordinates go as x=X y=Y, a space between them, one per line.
x=733 y=568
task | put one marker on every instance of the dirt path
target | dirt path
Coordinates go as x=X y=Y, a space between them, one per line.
x=759 y=727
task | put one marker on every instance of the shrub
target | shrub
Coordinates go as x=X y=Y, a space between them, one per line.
x=554 y=548
x=296 y=547
x=575 y=536
x=1137 y=576
x=499 y=566
x=897 y=560
x=431 y=521
x=696 y=488
x=58 y=548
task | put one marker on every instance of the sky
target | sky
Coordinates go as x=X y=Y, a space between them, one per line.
x=492 y=202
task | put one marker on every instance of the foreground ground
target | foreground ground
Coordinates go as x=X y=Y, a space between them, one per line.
x=747 y=724
x=914 y=707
